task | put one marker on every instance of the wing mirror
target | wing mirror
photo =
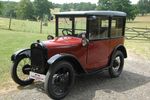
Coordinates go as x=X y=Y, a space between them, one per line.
x=85 y=41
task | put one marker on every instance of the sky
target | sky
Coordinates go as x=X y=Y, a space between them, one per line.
x=73 y=1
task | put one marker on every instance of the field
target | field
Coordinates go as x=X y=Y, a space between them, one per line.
x=23 y=33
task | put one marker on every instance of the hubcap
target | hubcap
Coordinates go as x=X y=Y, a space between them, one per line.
x=116 y=64
x=61 y=81
x=26 y=69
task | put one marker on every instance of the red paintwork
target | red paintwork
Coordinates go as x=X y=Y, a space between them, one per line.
x=93 y=56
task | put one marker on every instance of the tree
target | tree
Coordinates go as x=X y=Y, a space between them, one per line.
x=104 y=5
x=118 y=5
x=78 y=6
x=1 y=8
x=144 y=6
x=65 y=7
x=42 y=7
x=9 y=8
x=84 y=6
x=25 y=9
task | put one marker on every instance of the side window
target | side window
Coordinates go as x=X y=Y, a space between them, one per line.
x=117 y=27
x=98 y=28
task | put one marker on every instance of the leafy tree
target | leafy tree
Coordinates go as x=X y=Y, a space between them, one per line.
x=84 y=6
x=25 y=9
x=1 y=8
x=65 y=7
x=104 y=5
x=118 y=5
x=78 y=6
x=9 y=8
x=42 y=7
x=144 y=6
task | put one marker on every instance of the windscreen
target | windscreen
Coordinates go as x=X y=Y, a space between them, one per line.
x=73 y=26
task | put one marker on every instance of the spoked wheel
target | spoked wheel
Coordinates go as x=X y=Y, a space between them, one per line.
x=59 y=80
x=117 y=64
x=20 y=70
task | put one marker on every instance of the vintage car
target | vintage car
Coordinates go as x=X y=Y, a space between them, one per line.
x=85 y=42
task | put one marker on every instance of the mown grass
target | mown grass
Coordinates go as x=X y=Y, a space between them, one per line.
x=11 y=41
x=24 y=33
x=139 y=47
x=27 y=26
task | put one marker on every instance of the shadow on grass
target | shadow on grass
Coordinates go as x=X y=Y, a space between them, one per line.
x=85 y=87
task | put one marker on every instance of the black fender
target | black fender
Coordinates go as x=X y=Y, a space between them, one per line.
x=67 y=57
x=26 y=52
x=120 y=48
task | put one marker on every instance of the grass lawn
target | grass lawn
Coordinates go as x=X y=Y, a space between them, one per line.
x=12 y=41
x=139 y=47
x=24 y=33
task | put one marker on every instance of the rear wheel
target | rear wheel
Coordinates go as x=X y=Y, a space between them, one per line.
x=59 y=80
x=117 y=64
x=20 y=70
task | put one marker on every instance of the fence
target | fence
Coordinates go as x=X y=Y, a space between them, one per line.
x=137 y=33
x=27 y=26
x=35 y=27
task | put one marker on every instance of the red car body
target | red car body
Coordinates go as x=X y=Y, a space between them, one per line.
x=95 y=56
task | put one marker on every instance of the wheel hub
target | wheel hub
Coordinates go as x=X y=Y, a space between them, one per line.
x=26 y=69
x=116 y=64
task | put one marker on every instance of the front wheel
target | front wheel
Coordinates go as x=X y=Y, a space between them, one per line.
x=117 y=64
x=20 y=70
x=59 y=80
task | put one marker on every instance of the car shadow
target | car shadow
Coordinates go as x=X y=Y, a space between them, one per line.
x=86 y=86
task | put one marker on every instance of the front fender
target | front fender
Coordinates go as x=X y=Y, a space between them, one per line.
x=59 y=57
x=54 y=58
x=67 y=57
x=26 y=52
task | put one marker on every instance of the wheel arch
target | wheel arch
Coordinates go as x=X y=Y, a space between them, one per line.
x=120 y=48
x=69 y=58
x=26 y=52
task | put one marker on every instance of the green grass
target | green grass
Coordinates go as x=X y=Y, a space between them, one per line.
x=12 y=41
x=139 y=47
x=24 y=33
x=27 y=26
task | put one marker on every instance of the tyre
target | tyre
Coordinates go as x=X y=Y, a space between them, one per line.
x=117 y=64
x=20 y=70
x=59 y=80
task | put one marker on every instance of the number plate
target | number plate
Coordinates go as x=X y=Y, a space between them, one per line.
x=37 y=76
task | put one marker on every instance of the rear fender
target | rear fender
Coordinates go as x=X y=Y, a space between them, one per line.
x=120 y=48
x=26 y=52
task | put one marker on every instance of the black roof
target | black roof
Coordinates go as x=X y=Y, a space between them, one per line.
x=84 y=13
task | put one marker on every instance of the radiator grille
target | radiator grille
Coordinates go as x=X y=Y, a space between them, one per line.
x=38 y=60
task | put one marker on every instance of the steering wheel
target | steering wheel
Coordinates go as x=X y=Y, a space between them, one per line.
x=66 y=31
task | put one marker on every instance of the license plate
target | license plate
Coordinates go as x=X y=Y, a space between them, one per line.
x=37 y=76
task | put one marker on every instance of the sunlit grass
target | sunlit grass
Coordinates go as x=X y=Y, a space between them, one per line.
x=27 y=26
x=12 y=41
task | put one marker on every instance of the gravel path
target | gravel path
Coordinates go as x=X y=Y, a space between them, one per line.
x=133 y=84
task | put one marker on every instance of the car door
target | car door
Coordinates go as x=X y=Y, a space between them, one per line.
x=98 y=48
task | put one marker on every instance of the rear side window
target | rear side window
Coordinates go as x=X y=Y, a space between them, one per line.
x=98 y=28
x=117 y=27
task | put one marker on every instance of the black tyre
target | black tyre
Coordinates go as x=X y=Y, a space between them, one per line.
x=59 y=80
x=20 y=70
x=117 y=64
